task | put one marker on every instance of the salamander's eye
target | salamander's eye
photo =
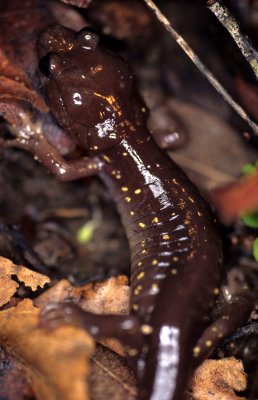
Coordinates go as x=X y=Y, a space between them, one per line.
x=87 y=38
x=51 y=65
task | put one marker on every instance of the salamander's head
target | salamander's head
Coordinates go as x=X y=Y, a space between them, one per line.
x=90 y=90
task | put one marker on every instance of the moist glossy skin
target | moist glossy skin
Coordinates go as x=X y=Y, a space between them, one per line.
x=175 y=247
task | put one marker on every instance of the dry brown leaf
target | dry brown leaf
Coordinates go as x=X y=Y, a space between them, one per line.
x=110 y=296
x=55 y=363
x=111 y=378
x=78 y=3
x=15 y=86
x=218 y=379
x=7 y=289
x=8 y=286
x=107 y=297
x=13 y=383
x=11 y=71
x=209 y=166
x=12 y=90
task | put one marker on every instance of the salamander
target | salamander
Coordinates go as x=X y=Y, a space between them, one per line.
x=176 y=256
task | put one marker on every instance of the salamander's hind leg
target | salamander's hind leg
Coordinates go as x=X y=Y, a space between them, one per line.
x=232 y=316
x=125 y=328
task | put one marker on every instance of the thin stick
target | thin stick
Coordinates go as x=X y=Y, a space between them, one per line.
x=199 y=64
x=242 y=332
x=230 y=23
x=116 y=378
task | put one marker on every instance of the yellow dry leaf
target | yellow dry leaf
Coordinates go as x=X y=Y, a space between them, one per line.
x=55 y=362
x=219 y=379
x=107 y=297
x=8 y=286
x=110 y=296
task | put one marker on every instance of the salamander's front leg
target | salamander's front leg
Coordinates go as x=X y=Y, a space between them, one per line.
x=30 y=138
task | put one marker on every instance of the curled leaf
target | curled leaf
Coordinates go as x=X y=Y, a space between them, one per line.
x=8 y=288
x=78 y=3
x=17 y=94
x=55 y=363
x=110 y=296
x=219 y=379
x=8 y=285
x=12 y=90
x=11 y=71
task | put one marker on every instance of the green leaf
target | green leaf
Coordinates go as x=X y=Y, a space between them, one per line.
x=249 y=168
x=255 y=249
x=251 y=219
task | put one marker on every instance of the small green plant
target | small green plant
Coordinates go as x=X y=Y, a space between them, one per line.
x=250 y=219
x=250 y=168
x=255 y=249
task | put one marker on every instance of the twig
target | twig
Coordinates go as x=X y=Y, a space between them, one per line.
x=230 y=23
x=242 y=332
x=199 y=64
x=127 y=387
